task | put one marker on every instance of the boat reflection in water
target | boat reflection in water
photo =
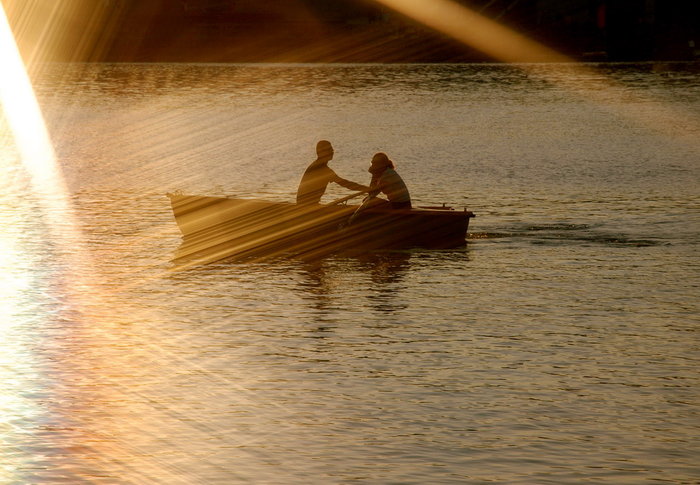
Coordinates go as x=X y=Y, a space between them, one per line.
x=380 y=274
x=216 y=228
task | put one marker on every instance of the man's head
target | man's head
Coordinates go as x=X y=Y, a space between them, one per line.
x=324 y=150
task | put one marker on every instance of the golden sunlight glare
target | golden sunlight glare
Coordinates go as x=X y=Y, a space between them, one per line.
x=24 y=116
x=473 y=29
x=505 y=44
x=31 y=138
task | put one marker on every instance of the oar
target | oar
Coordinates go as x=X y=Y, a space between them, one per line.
x=346 y=198
x=365 y=203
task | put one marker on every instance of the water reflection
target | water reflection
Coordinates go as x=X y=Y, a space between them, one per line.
x=101 y=82
x=382 y=272
x=218 y=373
x=387 y=271
x=33 y=306
x=325 y=284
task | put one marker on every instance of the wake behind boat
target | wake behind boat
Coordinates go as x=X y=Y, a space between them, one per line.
x=217 y=228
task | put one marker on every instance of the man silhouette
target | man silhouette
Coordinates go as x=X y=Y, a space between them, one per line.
x=318 y=175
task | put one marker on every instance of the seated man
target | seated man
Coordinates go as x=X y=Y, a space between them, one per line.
x=318 y=175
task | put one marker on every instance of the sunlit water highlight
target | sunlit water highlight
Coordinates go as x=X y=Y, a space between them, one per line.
x=559 y=346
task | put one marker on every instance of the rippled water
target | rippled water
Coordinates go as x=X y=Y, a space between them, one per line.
x=559 y=346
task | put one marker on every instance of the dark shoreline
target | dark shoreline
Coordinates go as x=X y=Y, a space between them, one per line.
x=310 y=31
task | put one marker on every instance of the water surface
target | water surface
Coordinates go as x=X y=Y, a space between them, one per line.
x=560 y=345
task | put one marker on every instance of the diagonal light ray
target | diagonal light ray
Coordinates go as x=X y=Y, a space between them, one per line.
x=473 y=29
x=24 y=116
x=86 y=292
x=504 y=44
x=454 y=20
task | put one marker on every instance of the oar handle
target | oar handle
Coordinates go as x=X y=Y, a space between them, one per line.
x=346 y=198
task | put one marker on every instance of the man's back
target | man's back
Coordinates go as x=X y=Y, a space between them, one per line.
x=314 y=182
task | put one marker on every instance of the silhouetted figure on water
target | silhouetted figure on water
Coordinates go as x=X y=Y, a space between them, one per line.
x=386 y=179
x=318 y=175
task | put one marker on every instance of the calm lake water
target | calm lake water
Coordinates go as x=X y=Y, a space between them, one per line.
x=559 y=346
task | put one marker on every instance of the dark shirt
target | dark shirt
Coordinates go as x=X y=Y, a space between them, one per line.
x=315 y=180
x=391 y=183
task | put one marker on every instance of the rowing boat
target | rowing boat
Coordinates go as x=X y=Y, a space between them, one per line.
x=228 y=227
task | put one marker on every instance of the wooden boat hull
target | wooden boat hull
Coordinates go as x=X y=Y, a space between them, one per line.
x=221 y=227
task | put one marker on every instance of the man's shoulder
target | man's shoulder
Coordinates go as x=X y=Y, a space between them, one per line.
x=324 y=169
x=315 y=165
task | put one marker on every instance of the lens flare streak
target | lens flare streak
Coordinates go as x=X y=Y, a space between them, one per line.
x=505 y=44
